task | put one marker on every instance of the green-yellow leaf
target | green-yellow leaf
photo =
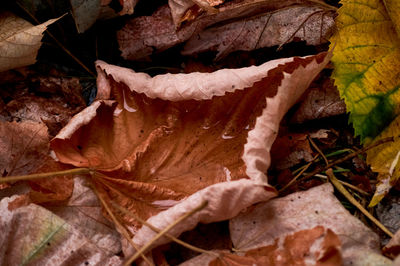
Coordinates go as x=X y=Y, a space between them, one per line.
x=367 y=73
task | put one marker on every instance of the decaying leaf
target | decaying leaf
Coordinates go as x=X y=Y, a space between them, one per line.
x=19 y=41
x=318 y=206
x=319 y=102
x=392 y=249
x=311 y=24
x=165 y=138
x=317 y=246
x=23 y=146
x=83 y=211
x=85 y=13
x=35 y=236
x=366 y=60
x=142 y=36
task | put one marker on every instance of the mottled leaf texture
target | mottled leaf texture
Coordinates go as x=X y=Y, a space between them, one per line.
x=19 y=41
x=367 y=73
x=141 y=36
x=311 y=24
x=163 y=145
x=32 y=235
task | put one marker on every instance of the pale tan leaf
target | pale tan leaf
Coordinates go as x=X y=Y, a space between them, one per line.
x=318 y=206
x=19 y=41
x=32 y=235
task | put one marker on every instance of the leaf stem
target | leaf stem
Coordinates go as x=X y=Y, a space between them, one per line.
x=75 y=171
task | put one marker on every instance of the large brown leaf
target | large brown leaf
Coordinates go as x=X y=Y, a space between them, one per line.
x=165 y=138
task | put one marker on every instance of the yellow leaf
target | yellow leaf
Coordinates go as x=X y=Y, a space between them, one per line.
x=367 y=73
x=19 y=41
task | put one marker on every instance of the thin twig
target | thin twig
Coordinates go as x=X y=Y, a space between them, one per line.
x=155 y=229
x=347 y=157
x=359 y=190
x=318 y=150
x=121 y=228
x=304 y=168
x=350 y=198
x=165 y=230
x=75 y=171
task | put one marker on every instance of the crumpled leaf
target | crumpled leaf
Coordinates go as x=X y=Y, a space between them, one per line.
x=141 y=36
x=317 y=246
x=165 y=138
x=35 y=236
x=392 y=249
x=367 y=63
x=311 y=24
x=19 y=41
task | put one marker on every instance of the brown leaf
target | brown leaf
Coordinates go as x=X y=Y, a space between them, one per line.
x=165 y=138
x=290 y=149
x=19 y=41
x=311 y=24
x=33 y=235
x=317 y=246
x=23 y=147
x=141 y=36
x=319 y=102
x=259 y=227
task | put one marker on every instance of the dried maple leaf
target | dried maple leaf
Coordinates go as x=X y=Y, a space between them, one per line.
x=19 y=41
x=35 y=236
x=141 y=36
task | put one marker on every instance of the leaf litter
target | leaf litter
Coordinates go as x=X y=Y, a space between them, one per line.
x=241 y=180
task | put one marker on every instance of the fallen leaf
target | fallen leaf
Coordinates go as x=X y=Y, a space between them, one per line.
x=316 y=246
x=290 y=149
x=84 y=212
x=85 y=13
x=366 y=60
x=165 y=138
x=319 y=102
x=311 y=24
x=141 y=36
x=35 y=236
x=392 y=249
x=23 y=147
x=260 y=226
x=19 y=41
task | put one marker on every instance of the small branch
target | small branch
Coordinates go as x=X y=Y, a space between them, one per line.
x=318 y=150
x=353 y=201
x=347 y=157
x=75 y=171
x=165 y=230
